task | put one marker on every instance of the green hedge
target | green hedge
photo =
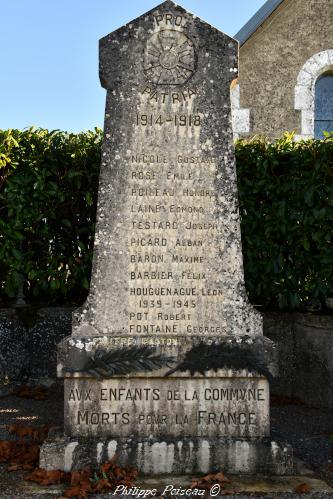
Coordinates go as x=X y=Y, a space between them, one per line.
x=286 y=202
x=47 y=205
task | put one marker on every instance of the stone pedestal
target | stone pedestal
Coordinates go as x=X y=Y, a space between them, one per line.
x=180 y=423
x=167 y=365
x=154 y=456
x=172 y=419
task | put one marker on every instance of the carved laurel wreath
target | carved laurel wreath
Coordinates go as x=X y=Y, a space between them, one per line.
x=201 y=358
x=105 y=363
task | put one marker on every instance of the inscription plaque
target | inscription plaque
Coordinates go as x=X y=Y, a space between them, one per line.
x=119 y=408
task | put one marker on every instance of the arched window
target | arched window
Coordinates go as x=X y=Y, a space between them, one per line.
x=323 y=119
x=309 y=85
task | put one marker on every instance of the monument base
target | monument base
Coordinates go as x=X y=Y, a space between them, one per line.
x=173 y=456
x=206 y=411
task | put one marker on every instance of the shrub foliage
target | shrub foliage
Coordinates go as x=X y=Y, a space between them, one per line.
x=286 y=203
x=47 y=204
x=48 y=186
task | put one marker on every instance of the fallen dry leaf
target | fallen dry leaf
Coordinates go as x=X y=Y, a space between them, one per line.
x=19 y=431
x=6 y=450
x=19 y=455
x=75 y=491
x=102 y=485
x=208 y=480
x=80 y=476
x=37 y=434
x=45 y=477
x=80 y=483
x=39 y=393
x=23 y=454
x=303 y=488
x=220 y=477
x=13 y=467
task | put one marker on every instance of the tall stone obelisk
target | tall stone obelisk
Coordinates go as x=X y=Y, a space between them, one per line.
x=166 y=363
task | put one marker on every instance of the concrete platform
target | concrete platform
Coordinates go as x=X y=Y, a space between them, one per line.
x=242 y=484
x=13 y=486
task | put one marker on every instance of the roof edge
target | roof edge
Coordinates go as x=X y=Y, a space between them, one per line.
x=256 y=20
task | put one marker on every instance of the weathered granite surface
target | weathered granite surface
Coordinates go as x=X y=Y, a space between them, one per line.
x=174 y=407
x=29 y=351
x=153 y=456
x=167 y=346
x=167 y=254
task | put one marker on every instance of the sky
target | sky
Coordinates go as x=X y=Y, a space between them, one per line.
x=49 y=55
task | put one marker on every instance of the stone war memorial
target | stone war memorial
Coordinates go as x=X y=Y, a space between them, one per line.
x=167 y=366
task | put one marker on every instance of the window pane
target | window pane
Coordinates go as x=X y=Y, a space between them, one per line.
x=323 y=105
x=322 y=126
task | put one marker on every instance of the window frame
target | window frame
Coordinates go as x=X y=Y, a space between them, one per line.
x=316 y=66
